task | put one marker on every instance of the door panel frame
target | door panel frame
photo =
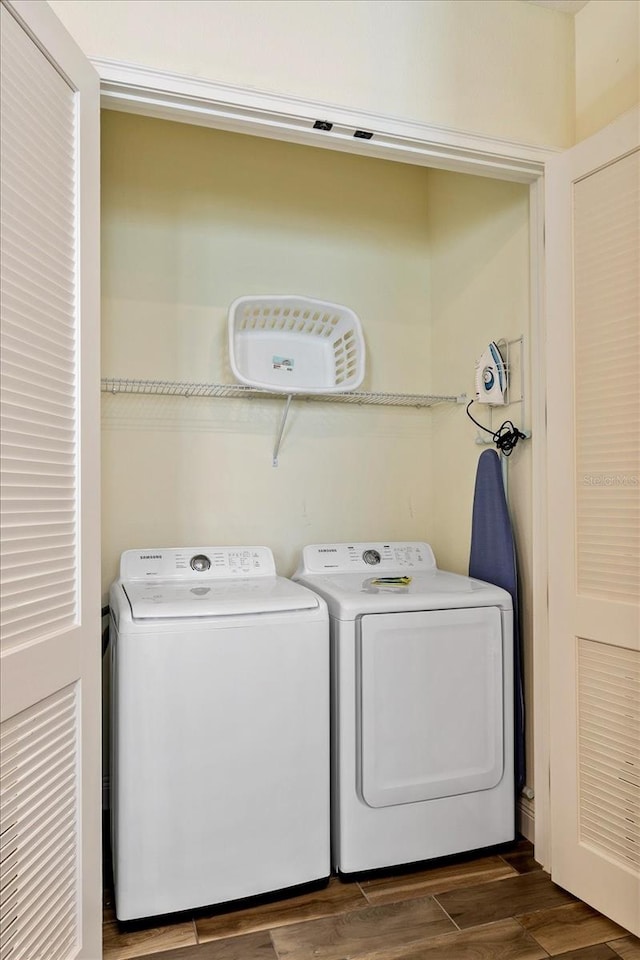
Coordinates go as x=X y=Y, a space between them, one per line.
x=29 y=672
x=603 y=148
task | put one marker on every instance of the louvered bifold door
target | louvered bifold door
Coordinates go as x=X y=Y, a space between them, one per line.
x=594 y=496
x=49 y=554
x=38 y=385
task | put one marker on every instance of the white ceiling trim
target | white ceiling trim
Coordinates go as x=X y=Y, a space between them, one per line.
x=143 y=90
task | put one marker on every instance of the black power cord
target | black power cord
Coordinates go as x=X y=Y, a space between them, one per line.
x=105 y=633
x=505 y=437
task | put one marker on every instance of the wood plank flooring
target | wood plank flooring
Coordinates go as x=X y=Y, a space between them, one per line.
x=491 y=907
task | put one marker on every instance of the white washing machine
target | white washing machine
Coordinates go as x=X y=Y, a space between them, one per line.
x=220 y=729
x=422 y=704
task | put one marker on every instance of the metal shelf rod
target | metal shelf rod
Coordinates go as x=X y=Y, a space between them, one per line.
x=185 y=388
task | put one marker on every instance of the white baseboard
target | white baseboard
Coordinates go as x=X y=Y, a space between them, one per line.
x=525 y=818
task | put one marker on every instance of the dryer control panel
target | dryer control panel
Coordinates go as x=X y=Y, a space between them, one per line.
x=405 y=556
x=197 y=563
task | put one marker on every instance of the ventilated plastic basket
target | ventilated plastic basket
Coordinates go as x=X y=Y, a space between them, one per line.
x=292 y=344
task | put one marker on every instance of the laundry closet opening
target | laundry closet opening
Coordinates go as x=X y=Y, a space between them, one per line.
x=434 y=263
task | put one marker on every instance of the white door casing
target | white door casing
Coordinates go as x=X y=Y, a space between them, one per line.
x=147 y=91
x=593 y=284
x=51 y=637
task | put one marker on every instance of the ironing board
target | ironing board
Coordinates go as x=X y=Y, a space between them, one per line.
x=493 y=559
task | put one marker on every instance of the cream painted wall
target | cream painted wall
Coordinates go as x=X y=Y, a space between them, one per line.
x=193 y=218
x=436 y=264
x=479 y=240
x=607 y=39
x=502 y=68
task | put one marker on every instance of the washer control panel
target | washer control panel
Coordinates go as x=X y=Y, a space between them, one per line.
x=197 y=563
x=354 y=557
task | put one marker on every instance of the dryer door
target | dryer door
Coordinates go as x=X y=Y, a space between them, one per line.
x=431 y=704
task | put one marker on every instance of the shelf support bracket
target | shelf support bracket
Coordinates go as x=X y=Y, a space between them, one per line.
x=285 y=414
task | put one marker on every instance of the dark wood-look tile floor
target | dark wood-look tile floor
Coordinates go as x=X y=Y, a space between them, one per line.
x=491 y=907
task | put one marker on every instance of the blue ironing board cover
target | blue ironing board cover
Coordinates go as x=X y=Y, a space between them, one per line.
x=493 y=559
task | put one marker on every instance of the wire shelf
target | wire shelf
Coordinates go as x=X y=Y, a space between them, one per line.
x=186 y=388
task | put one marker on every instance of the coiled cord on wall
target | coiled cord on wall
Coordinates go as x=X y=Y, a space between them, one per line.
x=505 y=437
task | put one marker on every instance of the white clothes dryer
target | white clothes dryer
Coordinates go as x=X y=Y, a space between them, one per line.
x=422 y=705
x=219 y=729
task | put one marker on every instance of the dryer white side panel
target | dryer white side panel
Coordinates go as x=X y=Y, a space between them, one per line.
x=431 y=708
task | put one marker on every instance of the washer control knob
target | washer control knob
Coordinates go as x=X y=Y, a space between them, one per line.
x=200 y=563
x=371 y=557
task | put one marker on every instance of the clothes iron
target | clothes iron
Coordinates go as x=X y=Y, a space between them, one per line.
x=491 y=376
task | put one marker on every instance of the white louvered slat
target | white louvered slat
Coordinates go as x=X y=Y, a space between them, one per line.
x=20 y=364
x=618 y=835
x=19 y=482
x=38 y=403
x=33 y=878
x=623 y=811
x=41 y=620
x=22 y=470
x=35 y=419
x=627 y=791
x=614 y=662
x=38 y=122
x=609 y=720
x=624 y=852
x=34 y=448
x=34 y=736
x=51 y=559
x=623 y=830
x=49 y=196
x=620 y=760
x=53 y=282
x=50 y=548
x=629 y=668
x=29 y=729
x=40 y=338
x=54 y=121
x=40 y=916
x=34 y=130
x=9 y=832
x=39 y=853
x=9 y=892
x=609 y=749
x=616 y=432
x=43 y=531
x=49 y=570
x=607 y=373
x=25 y=292
x=31 y=415
x=33 y=228
x=49 y=386
x=30 y=232
x=615 y=732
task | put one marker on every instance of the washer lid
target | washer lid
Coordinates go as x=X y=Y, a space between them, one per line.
x=167 y=599
x=349 y=595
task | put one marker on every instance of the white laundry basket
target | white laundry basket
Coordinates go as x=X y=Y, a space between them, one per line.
x=292 y=344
